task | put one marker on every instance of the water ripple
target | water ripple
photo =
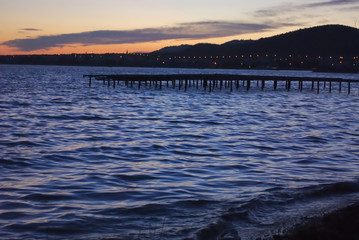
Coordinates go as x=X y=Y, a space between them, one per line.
x=131 y=163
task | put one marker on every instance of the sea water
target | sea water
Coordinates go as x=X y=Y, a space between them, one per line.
x=128 y=163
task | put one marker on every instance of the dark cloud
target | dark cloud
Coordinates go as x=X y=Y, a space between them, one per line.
x=331 y=3
x=30 y=29
x=196 y=30
x=289 y=7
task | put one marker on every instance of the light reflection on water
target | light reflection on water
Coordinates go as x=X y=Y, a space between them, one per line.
x=99 y=162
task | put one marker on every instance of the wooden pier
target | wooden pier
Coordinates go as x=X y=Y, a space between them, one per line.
x=212 y=81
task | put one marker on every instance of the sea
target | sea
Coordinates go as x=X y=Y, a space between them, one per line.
x=80 y=162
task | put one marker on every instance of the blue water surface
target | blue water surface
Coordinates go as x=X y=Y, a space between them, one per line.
x=129 y=163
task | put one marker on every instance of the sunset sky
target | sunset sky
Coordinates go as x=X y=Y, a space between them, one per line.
x=116 y=26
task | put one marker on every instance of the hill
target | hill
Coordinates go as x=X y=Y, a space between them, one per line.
x=327 y=40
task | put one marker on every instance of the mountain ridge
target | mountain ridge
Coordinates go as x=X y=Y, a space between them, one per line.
x=320 y=40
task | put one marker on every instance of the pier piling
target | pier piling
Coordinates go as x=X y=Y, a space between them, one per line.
x=213 y=81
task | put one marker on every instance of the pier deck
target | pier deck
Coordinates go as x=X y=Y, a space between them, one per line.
x=212 y=81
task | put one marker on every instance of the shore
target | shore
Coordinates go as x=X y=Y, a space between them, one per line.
x=338 y=225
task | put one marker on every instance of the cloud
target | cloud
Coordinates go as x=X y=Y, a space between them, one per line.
x=290 y=7
x=331 y=3
x=30 y=29
x=194 y=30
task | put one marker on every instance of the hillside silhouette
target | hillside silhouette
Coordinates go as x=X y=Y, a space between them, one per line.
x=328 y=40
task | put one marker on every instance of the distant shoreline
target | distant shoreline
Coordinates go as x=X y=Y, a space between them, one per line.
x=322 y=69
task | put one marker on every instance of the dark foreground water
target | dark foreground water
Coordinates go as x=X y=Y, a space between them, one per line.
x=128 y=163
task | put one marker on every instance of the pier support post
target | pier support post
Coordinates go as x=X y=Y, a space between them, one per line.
x=289 y=84
x=109 y=82
x=263 y=84
x=312 y=85
x=340 y=86
x=114 y=83
x=348 y=87
x=275 y=84
x=318 y=86
x=330 y=86
x=248 y=84
x=90 y=78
